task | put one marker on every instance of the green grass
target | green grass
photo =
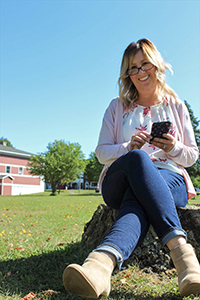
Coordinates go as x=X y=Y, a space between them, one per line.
x=195 y=201
x=40 y=235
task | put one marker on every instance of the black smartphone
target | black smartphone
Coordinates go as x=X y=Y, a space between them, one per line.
x=159 y=128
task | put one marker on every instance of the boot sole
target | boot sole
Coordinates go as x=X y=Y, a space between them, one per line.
x=76 y=283
x=192 y=288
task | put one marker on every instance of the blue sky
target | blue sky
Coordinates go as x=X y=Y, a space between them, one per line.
x=60 y=63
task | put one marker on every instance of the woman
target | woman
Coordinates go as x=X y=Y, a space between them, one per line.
x=145 y=179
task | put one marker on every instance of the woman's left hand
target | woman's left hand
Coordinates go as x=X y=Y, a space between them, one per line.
x=165 y=144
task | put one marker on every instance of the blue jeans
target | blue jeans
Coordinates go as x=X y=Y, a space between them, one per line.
x=144 y=195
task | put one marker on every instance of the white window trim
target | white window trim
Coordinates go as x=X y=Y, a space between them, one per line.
x=20 y=171
x=9 y=170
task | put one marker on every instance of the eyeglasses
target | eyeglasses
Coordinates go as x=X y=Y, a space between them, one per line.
x=145 y=67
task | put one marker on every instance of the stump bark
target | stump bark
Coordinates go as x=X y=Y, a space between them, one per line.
x=150 y=253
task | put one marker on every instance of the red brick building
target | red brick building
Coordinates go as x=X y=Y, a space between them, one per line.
x=15 y=179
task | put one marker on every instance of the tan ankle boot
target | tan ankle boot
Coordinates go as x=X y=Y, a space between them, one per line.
x=92 y=279
x=187 y=266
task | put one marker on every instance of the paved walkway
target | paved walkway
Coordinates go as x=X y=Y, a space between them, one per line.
x=71 y=192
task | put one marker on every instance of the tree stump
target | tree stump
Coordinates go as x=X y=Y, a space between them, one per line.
x=150 y=253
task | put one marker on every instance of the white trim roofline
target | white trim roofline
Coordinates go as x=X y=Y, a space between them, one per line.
x=5 y=176
x=14 y=152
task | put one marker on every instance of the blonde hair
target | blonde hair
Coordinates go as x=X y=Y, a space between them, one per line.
x=128 y=93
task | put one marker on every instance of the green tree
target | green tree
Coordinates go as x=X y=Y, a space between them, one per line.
x=194 y=171
x=8 y=143
x=93 y=168
x=62 y=162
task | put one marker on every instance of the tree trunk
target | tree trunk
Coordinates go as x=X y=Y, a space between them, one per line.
x=53 y=188
x=150 y=253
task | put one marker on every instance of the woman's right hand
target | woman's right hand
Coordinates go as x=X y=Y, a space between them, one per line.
x=139 y=139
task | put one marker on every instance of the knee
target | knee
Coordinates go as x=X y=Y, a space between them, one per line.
x=136 y=159
x=138 y=155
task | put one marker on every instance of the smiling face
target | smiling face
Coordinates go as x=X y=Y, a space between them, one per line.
x=144 y=81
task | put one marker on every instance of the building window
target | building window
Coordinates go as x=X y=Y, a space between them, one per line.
x=8 y=169
x=20 y=170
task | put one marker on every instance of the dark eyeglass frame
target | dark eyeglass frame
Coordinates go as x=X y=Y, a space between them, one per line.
x=140 y=68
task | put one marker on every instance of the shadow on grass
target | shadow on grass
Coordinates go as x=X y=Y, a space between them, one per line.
x=39 y=273
x=119 y=295
x=85 y=195
x=61 y=194
x=44 y=272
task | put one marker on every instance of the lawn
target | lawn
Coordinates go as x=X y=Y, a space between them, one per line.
x=40 y=234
